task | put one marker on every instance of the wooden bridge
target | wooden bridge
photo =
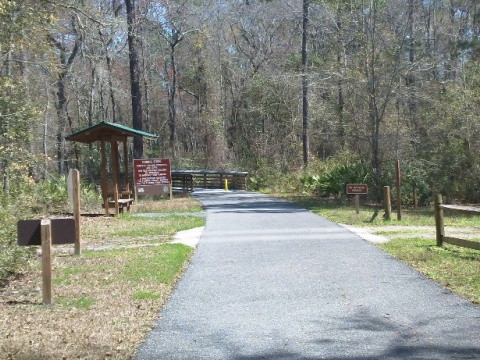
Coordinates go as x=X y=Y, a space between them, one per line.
x=186 y=180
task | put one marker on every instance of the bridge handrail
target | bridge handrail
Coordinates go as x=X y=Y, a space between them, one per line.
x=215 y=179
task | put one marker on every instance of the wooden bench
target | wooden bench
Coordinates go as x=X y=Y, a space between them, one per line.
x=124 y=199
x=122 y=204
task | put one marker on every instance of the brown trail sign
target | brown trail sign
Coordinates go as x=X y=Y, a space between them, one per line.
x=152 y=176
x=46 y=233
x=357 y=190
x=354 y=189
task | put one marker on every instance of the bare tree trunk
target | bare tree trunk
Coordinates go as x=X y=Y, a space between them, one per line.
x=172 y=111
x=305 y=137
x=62 y=122
x=341 y=71
x=148 y=125
x=410 y=80
x=111 y=89
x=61 y=104
x=91 y=100
x=374 y=116
x=91 y=108
x=135 y=90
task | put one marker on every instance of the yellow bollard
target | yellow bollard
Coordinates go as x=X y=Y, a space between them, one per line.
x=226 y=185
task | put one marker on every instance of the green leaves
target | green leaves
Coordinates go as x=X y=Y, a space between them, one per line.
x=333 y=181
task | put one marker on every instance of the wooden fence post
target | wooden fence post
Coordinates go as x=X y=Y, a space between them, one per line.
x=399 y=190
x=46 y=236
x=387 y=203
x=439 y=222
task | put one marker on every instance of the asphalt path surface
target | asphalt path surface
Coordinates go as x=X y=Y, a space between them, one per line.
x=270 y=280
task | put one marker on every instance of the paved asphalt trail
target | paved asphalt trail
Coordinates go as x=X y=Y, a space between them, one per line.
x=270 y=280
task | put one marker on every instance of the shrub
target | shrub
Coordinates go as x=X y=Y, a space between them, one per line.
x=51 y=194
x=26 y=200
x=13 y=258
x=332 y=182
x=90 y=198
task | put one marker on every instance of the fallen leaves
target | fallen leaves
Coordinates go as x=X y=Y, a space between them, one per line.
x=95 y=314
x=110 y=326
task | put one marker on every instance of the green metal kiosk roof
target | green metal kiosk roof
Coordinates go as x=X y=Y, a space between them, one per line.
x=105 y=130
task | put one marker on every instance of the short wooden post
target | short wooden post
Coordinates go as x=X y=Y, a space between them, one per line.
x=125 y=166
x=115 y=170
x=104 y=178
x=46 y=236
x=387 y=202
x=357 y=203
x=75 y=176
x=439 y=221
x=399 y=190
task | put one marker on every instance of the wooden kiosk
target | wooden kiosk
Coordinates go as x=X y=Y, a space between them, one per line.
x=113 y=196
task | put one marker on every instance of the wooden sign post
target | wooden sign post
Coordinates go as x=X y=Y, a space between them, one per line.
x=398 y=179
x=45 y=233
x=46 y=239
x=357 y=190
x=73 y=185
x=387 y=202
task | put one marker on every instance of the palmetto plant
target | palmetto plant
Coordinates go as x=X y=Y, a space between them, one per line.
x=332 y=182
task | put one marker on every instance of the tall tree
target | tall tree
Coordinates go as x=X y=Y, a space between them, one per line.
x=134 y=61
x=66 y=55
x=305 y=114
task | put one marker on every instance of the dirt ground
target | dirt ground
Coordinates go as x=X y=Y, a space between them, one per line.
x=96 y=314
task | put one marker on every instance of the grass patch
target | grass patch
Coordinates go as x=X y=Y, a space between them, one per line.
x=396 y=232
x=145 y=295
x=82 y=302
x=64 y=276
x=344 y=213
x=160 y=264
x=163 y=226
x=454 y=267
x=178 y=204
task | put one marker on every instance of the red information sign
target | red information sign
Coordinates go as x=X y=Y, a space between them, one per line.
x=357 y=189
x=152 y=176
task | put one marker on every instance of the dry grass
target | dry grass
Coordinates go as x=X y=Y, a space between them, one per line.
x=179 y=204
x=105 y=302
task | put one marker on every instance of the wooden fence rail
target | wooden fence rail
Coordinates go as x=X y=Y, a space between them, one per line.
x=440 y=223
x=183 y=182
